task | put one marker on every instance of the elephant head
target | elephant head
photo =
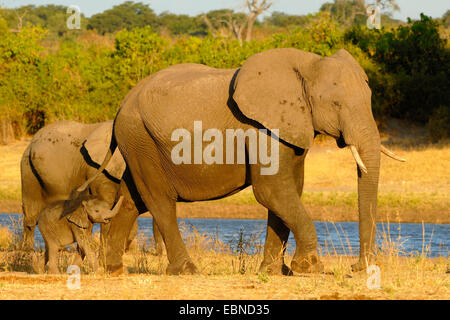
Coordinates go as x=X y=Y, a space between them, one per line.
x=302 y=94
x=94 y=211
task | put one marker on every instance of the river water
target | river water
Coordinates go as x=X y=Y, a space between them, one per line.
x=342 y=238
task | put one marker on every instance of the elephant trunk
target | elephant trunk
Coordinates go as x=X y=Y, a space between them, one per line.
x=115 y=210
x=364 y=143
x=367 y=199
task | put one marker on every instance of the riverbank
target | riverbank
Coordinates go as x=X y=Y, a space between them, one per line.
x=413 y=192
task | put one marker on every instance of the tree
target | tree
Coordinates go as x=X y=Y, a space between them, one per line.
x=237 y=22
x=283 y=20
x=179 y=24
x=6 y=131
x=127 y=15
x=51 y=17
x=225 y=22
x=255 y=9
x=446 y=19
x=348 y=12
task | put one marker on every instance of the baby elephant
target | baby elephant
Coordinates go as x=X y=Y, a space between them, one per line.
x=59 y=232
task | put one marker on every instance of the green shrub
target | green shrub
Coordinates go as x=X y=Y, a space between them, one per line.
x=86 y=81
x=412 y=79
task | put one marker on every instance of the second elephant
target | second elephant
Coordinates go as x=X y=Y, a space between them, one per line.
x=60 y=157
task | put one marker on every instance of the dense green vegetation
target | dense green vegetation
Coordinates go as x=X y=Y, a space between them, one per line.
x=48 y=72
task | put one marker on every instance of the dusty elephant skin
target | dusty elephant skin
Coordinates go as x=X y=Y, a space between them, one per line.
x=299 y=93
x=59 y=232
x=60 y=157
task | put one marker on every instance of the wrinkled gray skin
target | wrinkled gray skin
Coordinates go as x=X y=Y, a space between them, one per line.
x=60 y=157
x=76 y=227
x=299 y=93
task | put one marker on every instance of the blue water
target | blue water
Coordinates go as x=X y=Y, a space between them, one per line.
x=341 y=238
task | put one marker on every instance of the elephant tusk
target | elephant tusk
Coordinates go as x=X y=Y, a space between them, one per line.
x=358 y=158
x=391 y=154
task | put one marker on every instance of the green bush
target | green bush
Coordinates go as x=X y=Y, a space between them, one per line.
x=86 y=81
x=414 y=60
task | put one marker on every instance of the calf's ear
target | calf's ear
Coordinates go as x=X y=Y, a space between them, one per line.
x=74 y=201
x=79 y=218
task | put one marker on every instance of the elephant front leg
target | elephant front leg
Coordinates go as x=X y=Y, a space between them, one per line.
x=275 y=246
x=28 y=237
x=86 y=246
x=280 y=193
x=79 y=257
x=285 y=203
x=51 y=259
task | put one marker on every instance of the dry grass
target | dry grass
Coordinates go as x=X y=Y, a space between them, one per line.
x=228 y=271
x=6 y=238
x=10 y=156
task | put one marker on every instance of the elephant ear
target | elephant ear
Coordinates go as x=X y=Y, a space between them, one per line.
x=97 y=145
x=344 y=55
x=79 y=218
x=271 y=88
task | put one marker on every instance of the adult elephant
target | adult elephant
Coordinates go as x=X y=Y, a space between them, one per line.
x=60 y=157
x=298 y=93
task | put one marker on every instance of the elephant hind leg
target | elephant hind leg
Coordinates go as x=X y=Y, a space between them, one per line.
x=33 y=203
x=31 y=207
x=158 y=196
x=163 y=209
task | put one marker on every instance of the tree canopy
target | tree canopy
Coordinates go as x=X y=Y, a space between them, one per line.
x=127 y=15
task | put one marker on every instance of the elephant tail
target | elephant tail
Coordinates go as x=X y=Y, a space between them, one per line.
x=109 y=154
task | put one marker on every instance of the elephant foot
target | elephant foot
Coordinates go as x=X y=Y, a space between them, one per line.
x=309 y=264
x=275 y=269
x=361 y=265
x=52 y=270
x=115 y=270
x=186 y=267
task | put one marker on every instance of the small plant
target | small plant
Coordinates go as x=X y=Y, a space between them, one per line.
x=263 y=277
x=248 y=249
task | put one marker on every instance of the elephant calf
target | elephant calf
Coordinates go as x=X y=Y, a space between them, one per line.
x=59 y=232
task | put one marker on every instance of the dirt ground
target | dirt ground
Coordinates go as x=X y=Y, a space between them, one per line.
x=402 y=279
